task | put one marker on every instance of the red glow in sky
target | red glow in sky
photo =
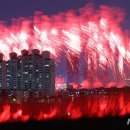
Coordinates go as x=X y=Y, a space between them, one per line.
x=96 y=33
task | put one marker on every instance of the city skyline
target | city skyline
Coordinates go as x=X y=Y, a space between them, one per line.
x=27 y=9
x=65 y=63
x=61 y=65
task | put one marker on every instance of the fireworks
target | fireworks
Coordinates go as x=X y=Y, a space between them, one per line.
x=97 y=34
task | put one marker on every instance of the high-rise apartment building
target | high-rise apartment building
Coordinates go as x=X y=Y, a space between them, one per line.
x=12 y=72
x=48 y=74
x=30 y=72
x=2 y=72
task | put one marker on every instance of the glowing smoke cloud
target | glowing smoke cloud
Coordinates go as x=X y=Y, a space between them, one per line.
x=97 y=34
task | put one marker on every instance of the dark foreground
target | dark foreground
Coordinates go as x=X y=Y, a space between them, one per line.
x=111 y=123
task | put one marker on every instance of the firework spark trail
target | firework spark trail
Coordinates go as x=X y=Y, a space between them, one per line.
x=95 y=32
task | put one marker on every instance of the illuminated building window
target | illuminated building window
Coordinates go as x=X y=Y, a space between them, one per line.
x=47 y=76
x=47 y=65
x=25 y=72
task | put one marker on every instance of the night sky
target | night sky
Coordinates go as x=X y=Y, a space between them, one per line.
x=24 y=8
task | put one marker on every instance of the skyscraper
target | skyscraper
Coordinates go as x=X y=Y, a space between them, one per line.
x=48 y=74
x=2 y=72
x=11 y=72
x=31 y=71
